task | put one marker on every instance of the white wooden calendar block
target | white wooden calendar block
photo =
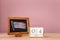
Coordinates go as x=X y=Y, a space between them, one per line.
x=36 y=32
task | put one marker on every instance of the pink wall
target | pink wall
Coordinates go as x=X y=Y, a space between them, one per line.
x=0 y=14
x=44 y=13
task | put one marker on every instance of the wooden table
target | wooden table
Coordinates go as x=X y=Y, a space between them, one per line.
x=47 y=36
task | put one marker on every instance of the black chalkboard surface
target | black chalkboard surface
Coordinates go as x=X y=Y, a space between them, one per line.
x=18 y=25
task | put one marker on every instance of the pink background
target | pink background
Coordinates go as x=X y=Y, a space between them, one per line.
x=45 y=13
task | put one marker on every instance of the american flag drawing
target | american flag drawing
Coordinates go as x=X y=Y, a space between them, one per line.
x=21 y=25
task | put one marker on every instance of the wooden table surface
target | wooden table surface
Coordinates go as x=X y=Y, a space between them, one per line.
x=47 y=36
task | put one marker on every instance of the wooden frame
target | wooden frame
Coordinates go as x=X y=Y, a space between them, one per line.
x=18 y=18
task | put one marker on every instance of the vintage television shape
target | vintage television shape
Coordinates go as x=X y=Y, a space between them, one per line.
x=18 y=25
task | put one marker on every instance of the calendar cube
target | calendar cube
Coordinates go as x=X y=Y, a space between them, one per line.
x=36 y=31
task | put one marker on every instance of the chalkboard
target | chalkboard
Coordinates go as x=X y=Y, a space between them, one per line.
x=18 y=24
